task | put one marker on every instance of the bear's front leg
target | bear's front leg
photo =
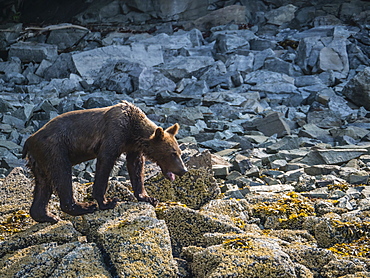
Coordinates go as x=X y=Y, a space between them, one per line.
x=104 y=166
x=135 y=166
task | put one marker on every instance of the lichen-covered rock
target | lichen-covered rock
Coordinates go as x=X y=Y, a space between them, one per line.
x=362 y=274
x=293 y=236
x=16 y=193
x=187 y=227
x=52 y=260
x=62 y=232
x=338 y=268
x=244 y=256
x=333 y=231
x=195 y=188
x=236 y=212
x=90 y=223
x=139 y=247
x=311 y=257
x=286 y=212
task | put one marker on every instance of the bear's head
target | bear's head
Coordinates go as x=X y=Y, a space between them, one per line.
x=165 y=151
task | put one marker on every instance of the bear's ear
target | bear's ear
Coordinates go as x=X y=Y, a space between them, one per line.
x=173 y=129
x=159 y=133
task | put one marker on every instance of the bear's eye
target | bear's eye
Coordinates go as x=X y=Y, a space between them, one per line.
x=174 y=154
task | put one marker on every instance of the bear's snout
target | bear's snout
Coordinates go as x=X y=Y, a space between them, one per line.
x=182 y=172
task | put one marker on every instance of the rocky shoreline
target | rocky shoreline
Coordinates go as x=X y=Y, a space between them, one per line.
x=275 y=122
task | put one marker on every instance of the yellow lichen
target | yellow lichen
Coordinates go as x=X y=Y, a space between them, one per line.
x=353 y=230
x=15 y=222
x=291 y=209
x=163 y=206
x=340 y=186
x=238 y=243
x=240 y=223
x=357 y=248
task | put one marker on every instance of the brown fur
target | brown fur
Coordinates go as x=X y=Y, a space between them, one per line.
x=102 y=133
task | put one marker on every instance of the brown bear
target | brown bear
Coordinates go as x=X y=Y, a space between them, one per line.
x=102 y=133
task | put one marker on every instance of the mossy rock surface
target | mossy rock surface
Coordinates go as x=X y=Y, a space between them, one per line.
x=194 y=189
x=244 y=256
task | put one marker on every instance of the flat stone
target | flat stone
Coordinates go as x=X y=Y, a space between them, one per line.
x=272 y=124
x=281 y=15
x=324 y=169
x=332 y=156
x=272 y=188
x=218 y=145
x=233 y=13
x=321 y=193
x=88 y=63
x=33 y=52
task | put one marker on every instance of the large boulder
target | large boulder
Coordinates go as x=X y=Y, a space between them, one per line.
x=357 y=89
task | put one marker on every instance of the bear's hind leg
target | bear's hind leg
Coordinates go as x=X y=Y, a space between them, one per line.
x=41 y=196
x=62 y=181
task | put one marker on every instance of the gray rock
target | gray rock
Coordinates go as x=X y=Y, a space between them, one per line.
x=293 y=175
x=232 y=13
x=33 y=52
x=15 y=78
x=186 y=67
x=357 y=89
x=13 y=65
x=360 y=177
x=240 y=63
x=313 y=131
x=270 y=82
x=286 y=143
x=321 y=193
x=281 y=15
x=324 y=118
x=218 y=145
x=66 y=38
x=316 y=170
x=307 y=80
x=261 y=56
x=88 y=63
x=357 y=133
x=278 y=65
x=64 y=86
x=272 y=124
x=9 y=34
x=332 y=156
x=228 y=43
x=260 y=44
x=62 y=67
